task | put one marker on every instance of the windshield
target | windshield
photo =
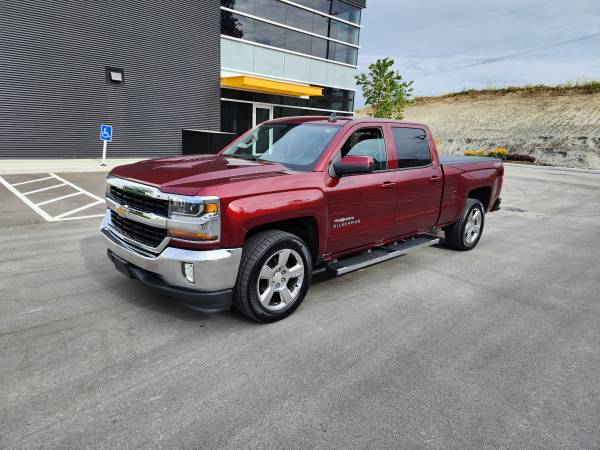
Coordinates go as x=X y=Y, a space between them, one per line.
x=298 y=146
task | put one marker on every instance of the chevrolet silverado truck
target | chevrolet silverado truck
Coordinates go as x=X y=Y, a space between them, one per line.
x=246 y=227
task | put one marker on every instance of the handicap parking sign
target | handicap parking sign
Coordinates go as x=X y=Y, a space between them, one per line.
x=106 y=133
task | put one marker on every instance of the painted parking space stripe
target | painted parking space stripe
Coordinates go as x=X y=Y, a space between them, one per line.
x=25 y=200
x=44 y=189
x=68 y=215
x=81 y=208
x=32 y=181
x=74 y=186
x=52 y=200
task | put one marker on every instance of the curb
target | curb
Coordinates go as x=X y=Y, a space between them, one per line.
x=32 y=166
x=556 y=168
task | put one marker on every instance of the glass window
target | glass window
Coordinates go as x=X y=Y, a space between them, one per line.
x=246 y=6
x=322 y=5
x=270 y=9
x=298 y=146
x=336 y=99
x=307 y=3
x=236 y=117
x=345 y=11
x=297 y=42
x=278 y=112
x=342 y=53
x=243 y=27
x=320 y=24
x=298 y=18
x=344 y=32
x=367 y=142
x=237 y=26
x=319 y=47
x=265 y=33
x=412 y=147
x=319 y=5
x=332 y=99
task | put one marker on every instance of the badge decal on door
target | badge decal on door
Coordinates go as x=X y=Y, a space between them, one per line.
x=345 y=221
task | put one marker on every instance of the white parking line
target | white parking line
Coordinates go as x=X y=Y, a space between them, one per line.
x=25 y=200
x=81 y=208
x=77 y=187
x=63 y=216
x=44 y=189
x=32 y=181
x=52 y=200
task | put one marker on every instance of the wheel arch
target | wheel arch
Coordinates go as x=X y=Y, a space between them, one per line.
x=483 y=194
x=306 y=228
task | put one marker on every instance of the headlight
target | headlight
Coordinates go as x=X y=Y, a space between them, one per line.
x=184 y=208
x=194 y=218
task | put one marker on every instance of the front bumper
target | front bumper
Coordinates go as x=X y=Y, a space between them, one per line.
x=215 y=271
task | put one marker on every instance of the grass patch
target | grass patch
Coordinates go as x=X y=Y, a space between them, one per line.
x=579 y=87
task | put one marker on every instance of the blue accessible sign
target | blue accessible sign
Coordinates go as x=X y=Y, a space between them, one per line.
x=106 y=133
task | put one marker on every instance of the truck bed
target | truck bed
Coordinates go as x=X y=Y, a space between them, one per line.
x=459 y=159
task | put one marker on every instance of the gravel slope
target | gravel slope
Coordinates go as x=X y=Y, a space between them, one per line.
x=558 y=130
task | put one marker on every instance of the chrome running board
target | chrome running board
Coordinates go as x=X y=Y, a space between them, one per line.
x=380 y=254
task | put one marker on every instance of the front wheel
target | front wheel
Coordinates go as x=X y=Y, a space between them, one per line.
x=466 y=232
x=274 y=276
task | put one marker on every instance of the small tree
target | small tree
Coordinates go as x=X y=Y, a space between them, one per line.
x=384 y=90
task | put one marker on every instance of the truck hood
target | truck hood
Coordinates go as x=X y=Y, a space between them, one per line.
x=189 y=174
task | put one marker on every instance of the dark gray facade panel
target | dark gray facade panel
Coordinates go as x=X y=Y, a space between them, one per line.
x=53 y=89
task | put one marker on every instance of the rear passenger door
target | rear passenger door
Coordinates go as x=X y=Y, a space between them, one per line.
x=419 y=179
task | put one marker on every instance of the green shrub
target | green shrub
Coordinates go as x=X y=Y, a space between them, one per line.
x=520 y=157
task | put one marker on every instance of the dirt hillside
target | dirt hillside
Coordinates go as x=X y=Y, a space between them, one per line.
x=557 y=127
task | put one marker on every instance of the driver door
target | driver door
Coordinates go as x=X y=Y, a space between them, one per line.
x=362 y=207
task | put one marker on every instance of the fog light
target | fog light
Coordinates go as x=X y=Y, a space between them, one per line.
x=188 y=271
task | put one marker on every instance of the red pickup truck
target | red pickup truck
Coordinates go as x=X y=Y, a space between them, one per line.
x=247 y=227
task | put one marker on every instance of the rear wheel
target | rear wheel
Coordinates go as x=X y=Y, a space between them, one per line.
x=466 y=232
x=274 y=276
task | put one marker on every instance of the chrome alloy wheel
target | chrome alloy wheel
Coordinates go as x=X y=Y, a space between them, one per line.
x=473 y=226
x=280 y=280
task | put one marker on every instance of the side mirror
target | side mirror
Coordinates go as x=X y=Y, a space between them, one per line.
x=353 y=165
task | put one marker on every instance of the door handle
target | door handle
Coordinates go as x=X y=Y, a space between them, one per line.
x=388 y=184
x=435 y=178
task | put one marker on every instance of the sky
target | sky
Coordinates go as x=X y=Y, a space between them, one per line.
x=451 y=45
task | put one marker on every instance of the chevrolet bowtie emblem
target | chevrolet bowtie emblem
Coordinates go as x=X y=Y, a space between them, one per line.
x=121 y=211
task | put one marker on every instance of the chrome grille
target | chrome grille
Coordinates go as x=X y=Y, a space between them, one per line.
x=139 y=202
x=139 y=232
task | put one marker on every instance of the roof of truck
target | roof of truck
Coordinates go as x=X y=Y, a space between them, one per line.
x=339 y=120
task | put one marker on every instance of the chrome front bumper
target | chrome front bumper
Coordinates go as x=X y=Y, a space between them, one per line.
x=214 y=270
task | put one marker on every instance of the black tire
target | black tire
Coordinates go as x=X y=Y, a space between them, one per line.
x=456 y=234
x=260 y=250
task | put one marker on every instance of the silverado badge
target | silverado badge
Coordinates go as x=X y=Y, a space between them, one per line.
x=345 y=221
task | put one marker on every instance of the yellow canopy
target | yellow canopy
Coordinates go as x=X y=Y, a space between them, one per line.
x=270 y=86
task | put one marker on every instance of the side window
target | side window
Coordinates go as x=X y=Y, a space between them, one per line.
x=367 y=142
x=412 y=147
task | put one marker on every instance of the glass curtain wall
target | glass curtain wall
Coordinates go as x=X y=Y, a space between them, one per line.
x=255 y=30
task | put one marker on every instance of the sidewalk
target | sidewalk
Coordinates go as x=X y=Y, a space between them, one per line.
x=24 y=166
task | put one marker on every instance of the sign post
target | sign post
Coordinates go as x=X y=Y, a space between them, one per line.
x=105 y=137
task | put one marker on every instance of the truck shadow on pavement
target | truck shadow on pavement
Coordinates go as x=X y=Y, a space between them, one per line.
x=117 y=285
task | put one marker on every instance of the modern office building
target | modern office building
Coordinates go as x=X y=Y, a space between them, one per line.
x=152 y=68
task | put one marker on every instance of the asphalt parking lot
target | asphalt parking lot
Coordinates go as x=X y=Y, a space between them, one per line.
x=498 y=347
